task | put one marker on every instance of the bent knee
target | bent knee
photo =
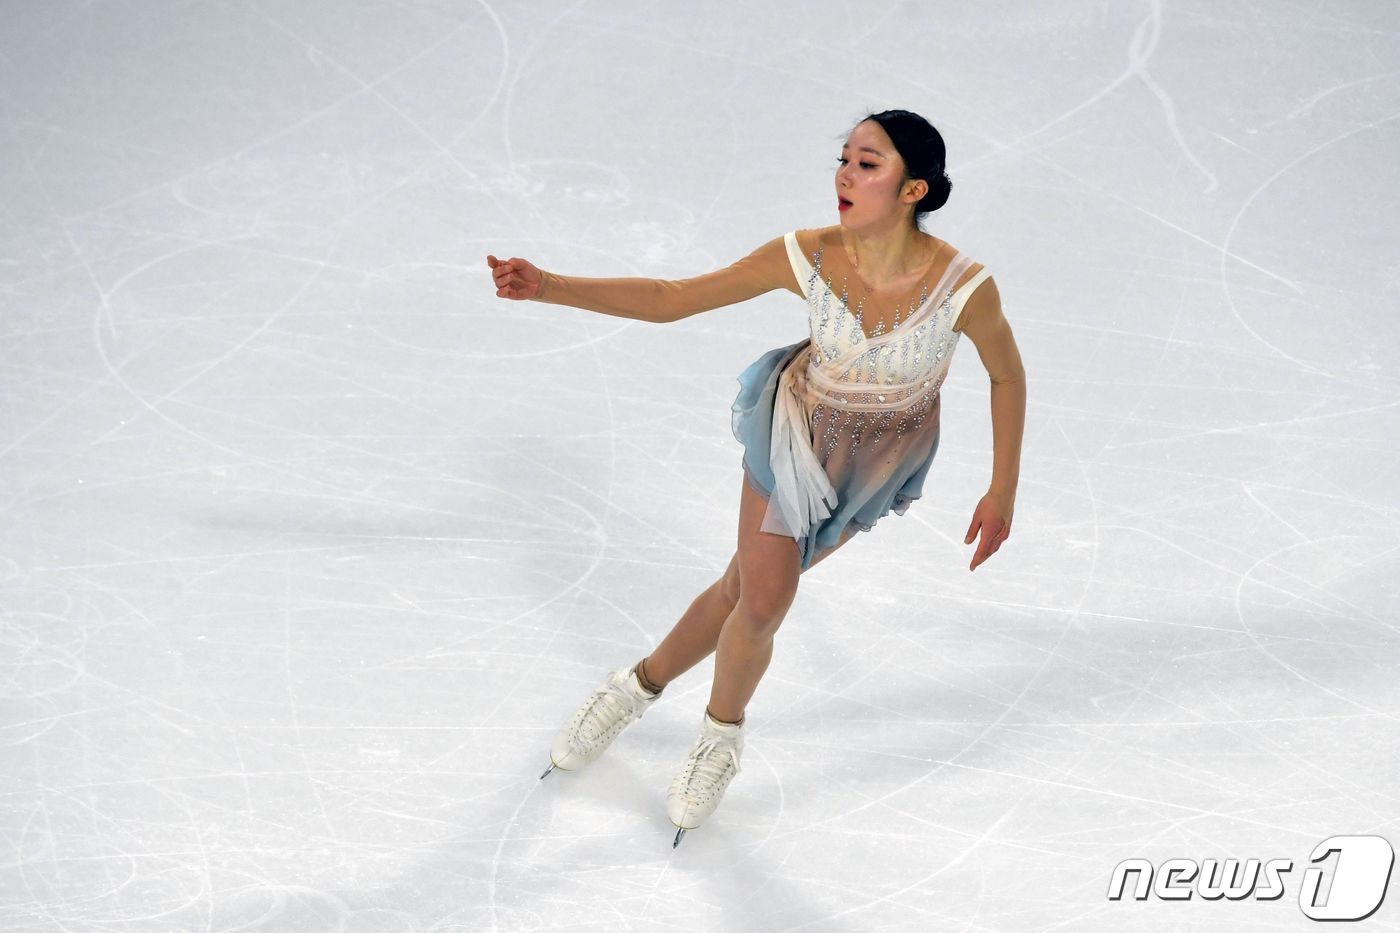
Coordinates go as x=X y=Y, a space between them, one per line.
x=764 y=603
x=729 y=583
x=763 y=608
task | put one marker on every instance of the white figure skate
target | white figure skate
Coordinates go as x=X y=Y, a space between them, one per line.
x=714 y=761
x=618 y=703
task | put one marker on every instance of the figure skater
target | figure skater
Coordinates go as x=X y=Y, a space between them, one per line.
x=838 y=429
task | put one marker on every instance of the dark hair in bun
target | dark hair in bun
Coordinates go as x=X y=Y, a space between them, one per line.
x=924 y=154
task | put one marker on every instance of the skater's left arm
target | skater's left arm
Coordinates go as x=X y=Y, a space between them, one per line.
x=986 y=326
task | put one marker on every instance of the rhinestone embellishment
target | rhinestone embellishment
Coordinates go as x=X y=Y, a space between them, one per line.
x=901 y=362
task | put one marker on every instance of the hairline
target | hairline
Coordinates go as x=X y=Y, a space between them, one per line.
x=867 y=149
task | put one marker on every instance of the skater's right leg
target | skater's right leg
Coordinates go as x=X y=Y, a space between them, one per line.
x=694 y=637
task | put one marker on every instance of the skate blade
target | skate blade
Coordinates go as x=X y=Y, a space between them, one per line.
x=549 y=769
x=679 y=833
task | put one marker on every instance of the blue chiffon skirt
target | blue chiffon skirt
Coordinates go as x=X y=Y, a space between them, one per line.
x=868 y=488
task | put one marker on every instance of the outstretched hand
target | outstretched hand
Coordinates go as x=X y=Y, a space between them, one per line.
x=515 y=278
x=993 y=516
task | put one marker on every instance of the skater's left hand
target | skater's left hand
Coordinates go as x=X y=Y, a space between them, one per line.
x=993 y=516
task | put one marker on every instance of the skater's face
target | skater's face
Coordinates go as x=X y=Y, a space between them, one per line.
x=870 y=176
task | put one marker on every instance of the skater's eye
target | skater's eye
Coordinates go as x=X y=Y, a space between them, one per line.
x=862 y=164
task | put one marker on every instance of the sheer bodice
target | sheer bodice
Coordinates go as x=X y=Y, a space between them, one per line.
x=913 y=354
x=855 y=416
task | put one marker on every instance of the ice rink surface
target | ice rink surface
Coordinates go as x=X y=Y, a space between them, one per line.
x=309 y=543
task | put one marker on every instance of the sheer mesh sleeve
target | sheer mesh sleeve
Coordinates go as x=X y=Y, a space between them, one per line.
x=664 y=300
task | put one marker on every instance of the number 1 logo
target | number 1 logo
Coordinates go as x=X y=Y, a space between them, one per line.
x=1359 y=878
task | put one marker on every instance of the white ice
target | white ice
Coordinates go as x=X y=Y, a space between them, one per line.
x=309 y=543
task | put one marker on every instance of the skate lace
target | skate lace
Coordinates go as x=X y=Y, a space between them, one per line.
x=589 y=722
x=709 y=767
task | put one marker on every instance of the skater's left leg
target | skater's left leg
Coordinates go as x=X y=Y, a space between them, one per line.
x=769 y=567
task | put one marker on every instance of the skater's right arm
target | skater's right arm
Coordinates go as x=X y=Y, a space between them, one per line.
x=659 y=301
